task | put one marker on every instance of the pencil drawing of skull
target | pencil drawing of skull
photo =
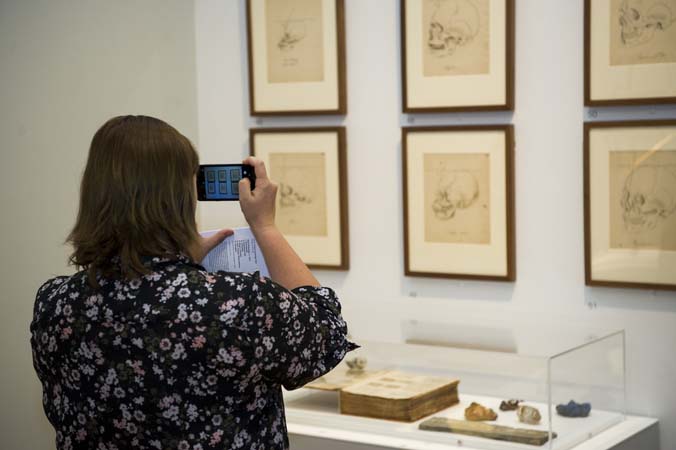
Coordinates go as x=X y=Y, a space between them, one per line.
x=454 y=23
x=457 y=197
x=301 y=199
x=639 y=21
x=459 y=192
x=293 y=31
x=294 y=37
x=290 y=197
x=648 y=197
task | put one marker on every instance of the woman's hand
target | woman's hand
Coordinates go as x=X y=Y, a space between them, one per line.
x=205 y=244
x=258 y=205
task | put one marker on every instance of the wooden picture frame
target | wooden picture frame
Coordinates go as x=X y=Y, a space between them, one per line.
x=627 y=62
x=310 y=167
x=630 y=204
x=459 y=219
x=296 y=57
x=450 y=62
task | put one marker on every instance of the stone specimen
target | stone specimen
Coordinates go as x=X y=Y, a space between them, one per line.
x=573 y=409
x=509 y=405
x=356 y=364
x=476 y=413
x=528 y=414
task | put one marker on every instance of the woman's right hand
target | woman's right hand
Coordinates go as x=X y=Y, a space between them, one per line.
x=258 y=205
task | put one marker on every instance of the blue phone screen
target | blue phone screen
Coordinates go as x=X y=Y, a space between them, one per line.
x=222 y=182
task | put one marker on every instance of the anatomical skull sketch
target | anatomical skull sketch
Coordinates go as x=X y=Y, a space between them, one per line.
x=643 y=192
x=455 y=37
x=643 y=31
x=452 y=25
x=295 y=41
x=639 y=26
x=458 y=191
x=301 y=196
x=293 y=32
x=457 y=197
x=290 y=197
x=648 y=197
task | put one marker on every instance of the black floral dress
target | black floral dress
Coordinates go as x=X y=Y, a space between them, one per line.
x=180 y=358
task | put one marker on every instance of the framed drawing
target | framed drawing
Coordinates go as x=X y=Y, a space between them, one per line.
x=459 y=202
x=457 y=55
x=630 y=204
x=296 y=51
x=310 y=167
x=629 y=52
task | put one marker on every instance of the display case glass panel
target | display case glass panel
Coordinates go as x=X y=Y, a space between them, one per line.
x=544 y=368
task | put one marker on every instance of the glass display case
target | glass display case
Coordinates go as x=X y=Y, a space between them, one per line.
x=544 y=368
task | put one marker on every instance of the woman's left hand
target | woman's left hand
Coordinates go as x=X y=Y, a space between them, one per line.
x=205 y=244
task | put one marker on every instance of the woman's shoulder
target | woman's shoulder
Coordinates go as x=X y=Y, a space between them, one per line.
x=57 y=284
x=52 y=291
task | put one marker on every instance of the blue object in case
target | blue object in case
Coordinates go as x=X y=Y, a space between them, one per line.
x=573 y=409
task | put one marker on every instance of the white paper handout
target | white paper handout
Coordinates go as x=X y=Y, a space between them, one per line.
x=237 y=253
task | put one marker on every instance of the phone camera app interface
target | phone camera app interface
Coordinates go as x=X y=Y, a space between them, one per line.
x=222 y=183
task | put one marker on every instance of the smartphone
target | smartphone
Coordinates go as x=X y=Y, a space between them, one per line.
x=220 y=182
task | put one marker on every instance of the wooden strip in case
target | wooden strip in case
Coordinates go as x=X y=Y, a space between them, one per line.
x=486 y=430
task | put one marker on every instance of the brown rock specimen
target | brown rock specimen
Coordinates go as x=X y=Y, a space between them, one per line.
x=476 y=413
x=356 y=364
x=528 y=414
x=509 y=405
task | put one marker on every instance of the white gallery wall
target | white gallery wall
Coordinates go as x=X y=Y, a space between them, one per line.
x=65 y=68
x=379 y=302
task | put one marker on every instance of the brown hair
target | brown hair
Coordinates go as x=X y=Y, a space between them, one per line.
x=137 y=198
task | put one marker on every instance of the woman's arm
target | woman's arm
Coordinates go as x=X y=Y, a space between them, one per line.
x=286 y=267
x=299 y=332
x=297 y=336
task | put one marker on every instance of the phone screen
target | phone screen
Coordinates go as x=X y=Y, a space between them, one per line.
x=220 y=182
